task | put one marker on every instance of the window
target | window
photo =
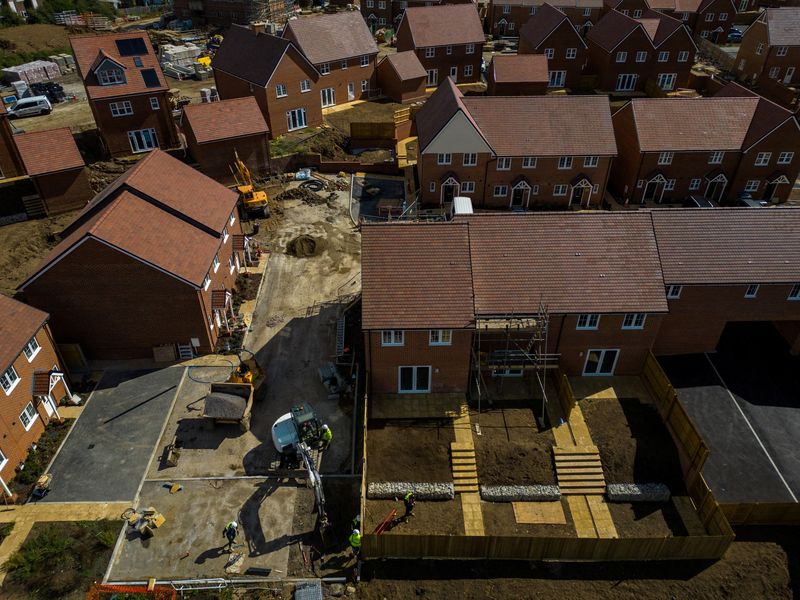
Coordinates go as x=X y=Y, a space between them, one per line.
x=557 y=79
x=137 y=61
x=715 y=158
x=370 y=3
x=467 y=187
x=325 y=69
x=231 y=264
x=3 y=460
x=31 y=349
x=215 y=264
x=634 y=321
x=121 y=109
x=470 y=159
x=470 y=49
x=762 y=160
x=694 y=185
x=572 y=53
x=444 y=158
x=503 y=163
x=549 y=52
x=414 y=380
x=28 y=416
x=666 y=81
x=280 y=90
x=590 y=162
x=500 y=191
x=534 y=190
x=560 y=189
x=432 y=186
x=382 y=21
x=759 y=48
x=533 y=10
x=364 y=85
x=709 y=17
x=110 y=76
x=9 y=380
x=565 y=162
x=440 y=337
x=641 y=56
x=448 y=50
x=626 y=82
x=296 y=119
x=587 y=12
x=328 y=97
x=674 y=291
x=781 y=51
x=392 y=337
x=622 y=57
x=774 y=72
x=506 y=9
x=794 y=293
x=663 y=56
x=467 y=70
x=232 y=220
x=683 y=56
x=529 y=162
x=365 y=61
x=382 y=4
x=625 y=12
x=752 y=291
x=723 y=16
x=305 y=85
x=669 y=185
x=752 y=185
x=143 y=140
x=785 y=158
x=637 y=13
x=343 y=65
x=589 y=321
x=685 y=16
x=206 y=282
x=430 y=52
x=665 y=158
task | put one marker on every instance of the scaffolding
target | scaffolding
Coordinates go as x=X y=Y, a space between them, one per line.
x=271 y=11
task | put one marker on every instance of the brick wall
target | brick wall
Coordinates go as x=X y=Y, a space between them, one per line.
x=784 y=139
x=114 y=130
x=749 y=65
x=560 y=40
x=216 y=158
x=442 y=61
x=10 y=162
x=399 y=91
x=340 y=77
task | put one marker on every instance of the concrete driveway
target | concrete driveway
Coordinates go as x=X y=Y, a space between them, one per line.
x=106 y=454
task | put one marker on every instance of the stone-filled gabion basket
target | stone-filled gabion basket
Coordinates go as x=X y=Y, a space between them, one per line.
x=422 y=491
x=520 y=493
x=637 y=492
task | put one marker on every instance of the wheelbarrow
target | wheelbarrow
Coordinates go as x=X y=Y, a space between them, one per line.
x=42 y=486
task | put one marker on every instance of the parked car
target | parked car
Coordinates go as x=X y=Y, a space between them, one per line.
x=30 y=107
x=734 y=36
x=699 y=202
x=748 y=201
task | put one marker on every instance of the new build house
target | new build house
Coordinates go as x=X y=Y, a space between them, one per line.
x=447 y=39
x=552 y=34
x=127 y=91
x=629 y=55
x=274 y=72
x=507 y=17
x=387 y=13
x=150 y=263
x=720 y=148
x=710 y=19
x=343 y=51
x=771 y=47
x=32 y=383
x=402 y=77
x=474 y=146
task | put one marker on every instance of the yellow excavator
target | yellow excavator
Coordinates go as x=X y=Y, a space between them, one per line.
x=253 y=201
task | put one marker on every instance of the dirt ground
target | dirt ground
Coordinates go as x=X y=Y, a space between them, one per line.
x=498 y=519
x=646 y=519
x=511 y=450
x=434 y=518
x=634 y=444
x=410 y=452
x=34 y=38
x=367 y=112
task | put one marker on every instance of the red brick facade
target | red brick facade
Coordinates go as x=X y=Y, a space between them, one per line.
x=10 y=162
x=114 y=130
x=758 y=59
x=565 y=50
x=508 y=18
x=460 y=62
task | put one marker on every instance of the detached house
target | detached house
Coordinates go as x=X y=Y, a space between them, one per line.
x=343 y=51
x=628 y=55
x=473 y=146
x=147 y=267
x=274 y=72
x=507 y=17
x=552 y=34
x=448 y=41
x=771 y=47
x=719 y=148
x=32 y=382
x=127 y=91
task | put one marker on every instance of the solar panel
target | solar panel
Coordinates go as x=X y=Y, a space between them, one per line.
x=131 y=47
x=150 y=78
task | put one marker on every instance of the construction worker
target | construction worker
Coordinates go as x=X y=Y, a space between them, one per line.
x=409 y=501
x=356 y=522
x=326 y=437
x=230 y=531
x=355 y=542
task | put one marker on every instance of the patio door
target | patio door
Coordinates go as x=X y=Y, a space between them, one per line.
x=433 y=77
x=413 y=380
x=626 y=82
x=600 y=362
x=328 y=97
x=351 y=91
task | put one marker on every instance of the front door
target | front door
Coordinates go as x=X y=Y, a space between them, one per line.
x=769 y=191
x=714 y=190
x=518 y=197
x=454 y=74
x=600 y=362
x=449 y=192
x=577 y=196
x=433 y=77
x=787 y=79
x=650 y=191
x=351 y=91
x=47 y=402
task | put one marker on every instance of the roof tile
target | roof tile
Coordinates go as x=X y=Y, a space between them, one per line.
x=520 y=68
x=328 y=38
x=444 y=25
x=224 y=120
x=18 y=324
x=48 y=151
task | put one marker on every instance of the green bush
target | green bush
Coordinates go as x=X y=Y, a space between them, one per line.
x=46 y=548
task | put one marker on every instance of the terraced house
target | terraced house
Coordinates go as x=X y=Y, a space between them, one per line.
x=771 y=47
x=387 y=13
x=506 y=17
x=475 y=147
x=127 y=91
x=710 y=19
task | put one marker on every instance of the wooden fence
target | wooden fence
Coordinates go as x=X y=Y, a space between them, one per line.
x=565 y=395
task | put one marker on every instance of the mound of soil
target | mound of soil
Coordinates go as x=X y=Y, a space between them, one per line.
x=304 y=246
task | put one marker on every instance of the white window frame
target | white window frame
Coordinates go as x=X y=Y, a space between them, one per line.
x=470 y=159
x=444 y=158
x=694 y=184
x=529 y=162
x=440 y=337
x=225 y=234
x=231 y=264
x=327 y=97
x=715 y=158
x=674 y=292
x=124 y=108
x=752 y=185
x=500 y=191
x=31 y=349
x=415 y=389
x=669 y=185
x=364 y=85
x=3 y=460
x=503 y=163
x=281 y=91
x=683 y=56
x=470 y=49
x=448 y=50
x=305 y=86
x=364 y=60
x=571 y=53
x=9 y=380
x=781 y=51
x=430 y=52
x=762 y=159
x=785 y=158
x=752 y=291
x=564 y=163
x=641 y=56
x=774 y=72
x=637 y=13
x=134 y=140
x=393 y=337
x=297 y=115
x=370 y=3
x=663 y=56
x=549 y=52
x=590 y=162
x=215 y=263
x=506 y=9
x=794 y=293
x=232 y=218
x=723 y=16
x=467 y=187
x=432 y=186
x=206 y=282
x=587 y=12
x=634 y=320
x=110 y=76
x=30 y=412
x=556 y=79
x=467 y=70
x=560 y=189
x=621 y=57
x=325 y=69
x=533 y=10
x=759 y=48
x=588 y=322
x=665 y=158
x=154 y=104
x=709 y=17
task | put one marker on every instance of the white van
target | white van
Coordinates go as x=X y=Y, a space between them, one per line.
x=30 y=107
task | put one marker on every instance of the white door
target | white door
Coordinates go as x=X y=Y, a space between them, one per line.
x=787 y=79
x=143 y=140
x=600 y=362
x=666 y=81
x=414 y=380
x=351 y=91
x=328 y=97
x=454 y=73
x=433 y=77
x=47 y=402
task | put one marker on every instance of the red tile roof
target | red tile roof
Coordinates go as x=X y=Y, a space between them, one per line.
x=520 y=68
x=18 y=324
x=783 y=26
x=87 y=48
x=48 y=151
x=406 y=65
x=416 y=276
x=224 y=120
x=612 y=29
x=41 y=383
x=444 y=25
x=446 y=101
x=546 y=20
x=728 y=245
x=328 y=38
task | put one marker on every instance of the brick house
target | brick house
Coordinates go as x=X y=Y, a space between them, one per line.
x=454 y=51
x=551 y=33
x=149 y=263
x=711 y=19
x=387 y=13
x=718 y=148
x=771 y=47
x=631 y=55
x=127 y=91
x=32 y=382
x=520 y=75
x=401 y=77
x=10 y=160
x=217 y=132
x=273 y=71
x=507 y=17
x=342 y=49
x=472 y=146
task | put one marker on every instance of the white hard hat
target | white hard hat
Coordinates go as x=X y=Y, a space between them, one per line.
x=356 y=531
x=358 y=518
x=325 y=427
x=234 y=524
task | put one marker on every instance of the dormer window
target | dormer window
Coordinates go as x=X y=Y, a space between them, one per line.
x=110 y=76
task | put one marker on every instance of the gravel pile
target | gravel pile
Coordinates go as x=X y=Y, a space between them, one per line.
x=637 y=492
x=520 y=493
x=422 y=491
